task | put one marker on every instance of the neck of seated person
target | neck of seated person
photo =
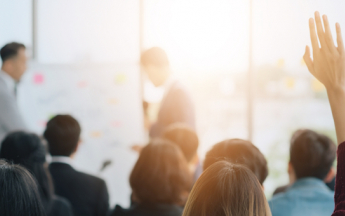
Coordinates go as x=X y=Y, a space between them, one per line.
x=292 y=175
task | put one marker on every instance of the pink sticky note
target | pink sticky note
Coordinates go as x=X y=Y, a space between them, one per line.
x=38 y=78
x=82 y=84
x=116 y=124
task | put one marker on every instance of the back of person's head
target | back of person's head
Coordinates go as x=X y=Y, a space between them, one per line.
x=27 y=150
x=154 y=56
x=10 y=50
x=161 y=175
x=184 y=137
x=227 y=189
x=62 y=134
x=239 y=151
x=18 y=192
x=312 y=155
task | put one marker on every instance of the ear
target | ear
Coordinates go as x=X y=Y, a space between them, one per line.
x=330 y=175
x=292 y=174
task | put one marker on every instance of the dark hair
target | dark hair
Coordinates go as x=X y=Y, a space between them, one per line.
x=10 y=50
x=26 y=149
x=18 y=192
x=154 y=56
x=227 y=189
x=239 y=151
x=312 y=154
x=161 y=174
x=184 y=137
x=62 y=133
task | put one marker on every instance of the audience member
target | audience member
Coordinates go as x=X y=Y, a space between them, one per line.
x=27 y=150
x=177 y=105
x=160 y=181
x=227 y=189
x=13 y=67
x=87 y=194
x=18 y=192
x=328 y=66
x=187 y=140
x=329 y=180
x=311 y=159
x=239 y=151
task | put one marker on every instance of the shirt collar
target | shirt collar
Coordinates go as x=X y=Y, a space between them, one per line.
x=62 y=159
x=9 y=81
x=309 y=182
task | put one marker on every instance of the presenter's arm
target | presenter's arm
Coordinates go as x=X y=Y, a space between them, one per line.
x=10 y=117
x=328 y=66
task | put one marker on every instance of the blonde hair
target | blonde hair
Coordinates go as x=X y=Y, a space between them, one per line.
x=226 y=189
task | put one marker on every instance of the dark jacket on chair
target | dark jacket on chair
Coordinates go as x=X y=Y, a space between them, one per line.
x=87 y=194
x=148 y=210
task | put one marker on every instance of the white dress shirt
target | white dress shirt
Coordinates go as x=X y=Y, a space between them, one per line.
x=10 y=117
x=62 y=159
x=9 y=81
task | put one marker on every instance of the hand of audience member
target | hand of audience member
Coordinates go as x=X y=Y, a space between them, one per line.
x=328 y=64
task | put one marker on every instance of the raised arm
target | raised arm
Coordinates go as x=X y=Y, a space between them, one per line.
x=328 y=66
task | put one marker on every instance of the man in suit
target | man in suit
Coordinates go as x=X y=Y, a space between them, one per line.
x=177 y=105
x=13 y=67
x=87 y=194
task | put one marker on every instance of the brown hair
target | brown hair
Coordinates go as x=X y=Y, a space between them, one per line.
x=312 y=154
x=226 y=189
x=184 y=137
x=161 y=174
x=240 y=152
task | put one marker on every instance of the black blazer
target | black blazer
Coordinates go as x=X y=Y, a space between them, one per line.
x=148 y=210
x=176 y=107
x=59 y=207
x=87 y=194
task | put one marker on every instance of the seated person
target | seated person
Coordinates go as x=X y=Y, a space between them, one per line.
x=187 y=140
x=19 y=192
x=239 y=151
x=311 y=159
x=330 y=180
x=27 y=150
x=227 y=189
x=87 y=194
x=160 y=181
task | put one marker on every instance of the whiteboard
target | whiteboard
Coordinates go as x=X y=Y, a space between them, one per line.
x=106 y=101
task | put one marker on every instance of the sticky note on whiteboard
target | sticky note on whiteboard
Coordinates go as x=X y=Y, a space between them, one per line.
x=120 y=79
x=38 y=79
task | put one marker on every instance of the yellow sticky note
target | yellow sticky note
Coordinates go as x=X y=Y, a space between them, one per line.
x=290 y=83
x=317 y=86
x=281 y=63
x=120 y=79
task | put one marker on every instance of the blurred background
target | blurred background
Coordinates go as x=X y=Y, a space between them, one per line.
x=241 y=60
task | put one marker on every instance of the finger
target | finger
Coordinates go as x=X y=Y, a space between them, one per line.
x=313 y=37
x=308 y=61
x=328 y=35
x=339 y=39
x=320 y=32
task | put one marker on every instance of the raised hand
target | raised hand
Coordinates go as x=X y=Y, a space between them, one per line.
x=328 y=64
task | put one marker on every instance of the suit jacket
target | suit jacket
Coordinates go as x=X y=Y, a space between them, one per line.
x=87 y=194
x=176 y=107
x=148 y=210
x=10 y=117
x=60 y=207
